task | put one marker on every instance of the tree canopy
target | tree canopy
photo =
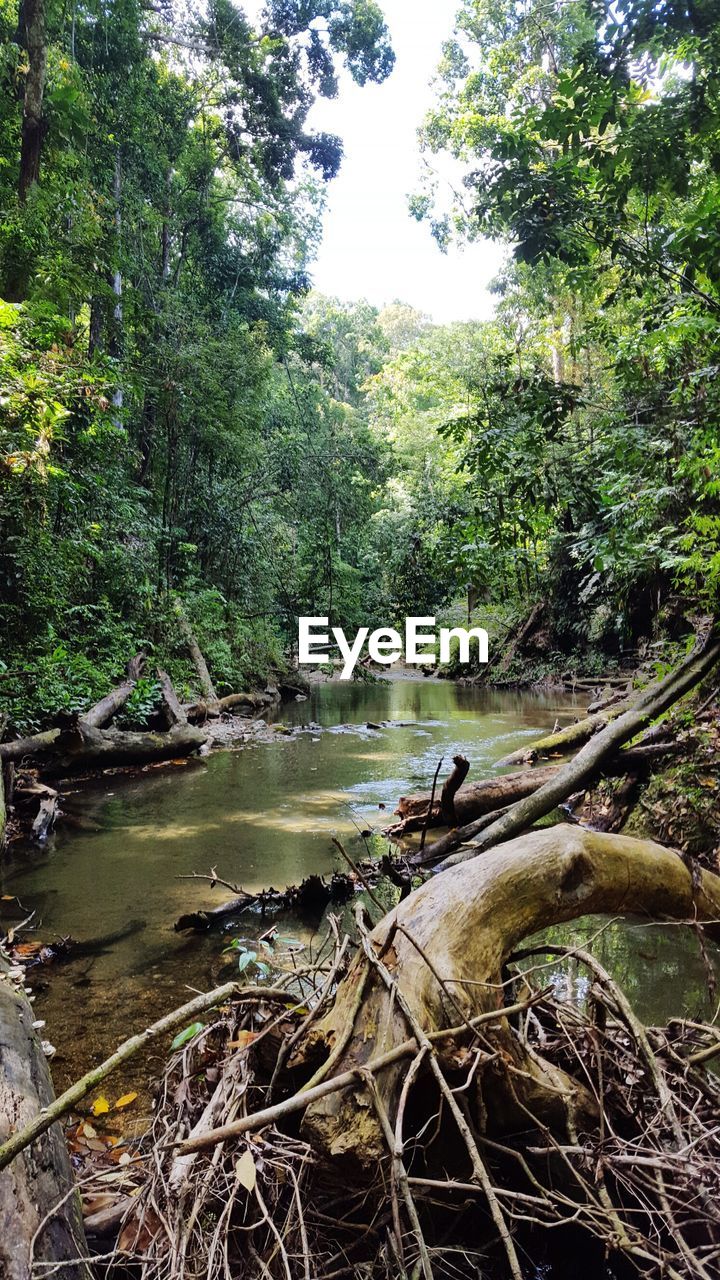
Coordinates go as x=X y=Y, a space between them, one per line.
x=181 y=415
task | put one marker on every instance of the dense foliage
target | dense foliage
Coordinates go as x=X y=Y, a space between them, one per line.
x=164 y=425
x=180 y=416
x=589 y=140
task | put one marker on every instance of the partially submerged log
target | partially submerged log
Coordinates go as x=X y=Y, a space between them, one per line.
x=632 y=763
x=590 y=760
x=444 y=948
x=83 y=747
x=311 y=897
x=570 y=737
x=46 y=816
x=470 y=802
x=40 y=1218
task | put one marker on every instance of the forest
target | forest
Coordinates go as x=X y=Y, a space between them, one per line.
x=197 y=449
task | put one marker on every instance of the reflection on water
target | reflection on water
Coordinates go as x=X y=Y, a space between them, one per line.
x=659 y=966
x=262 y=816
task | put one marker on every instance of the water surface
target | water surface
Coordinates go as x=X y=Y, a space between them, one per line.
x=265 y=815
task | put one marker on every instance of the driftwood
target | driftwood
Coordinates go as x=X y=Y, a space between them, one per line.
x=450 y=789
x=37 y=1202
x=198 y=712
x=312 y=896
x=83 y=747
x=444 y=948
x=46 y=816
x=104 y=710
x=632 y=763
x=471 y=801
x=590 y=760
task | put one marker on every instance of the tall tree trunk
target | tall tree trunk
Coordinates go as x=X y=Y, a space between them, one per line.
x=32 y=37
x=116 y=345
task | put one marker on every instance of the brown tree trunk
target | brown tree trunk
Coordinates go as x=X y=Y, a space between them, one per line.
x=36 y=745
x=38 y=1183
x=174 y=713
x=31 y=35
x=471 y=801
x=450 y=789
x=636 y=761
x=199 y=711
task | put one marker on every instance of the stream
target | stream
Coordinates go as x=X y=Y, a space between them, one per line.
x=263 y=815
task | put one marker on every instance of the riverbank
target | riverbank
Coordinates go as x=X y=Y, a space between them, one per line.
x=254 y=817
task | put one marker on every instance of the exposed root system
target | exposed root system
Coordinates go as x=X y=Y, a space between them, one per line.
x=452 y=1196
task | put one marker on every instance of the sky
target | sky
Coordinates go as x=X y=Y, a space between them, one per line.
x=371 y=246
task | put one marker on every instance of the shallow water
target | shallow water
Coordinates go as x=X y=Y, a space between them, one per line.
x=265 y=815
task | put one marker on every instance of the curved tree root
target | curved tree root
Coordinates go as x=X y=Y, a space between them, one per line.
x=539 y=1115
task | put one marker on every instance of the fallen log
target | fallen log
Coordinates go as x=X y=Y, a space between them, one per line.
x=444 y=949
x=83 y=747
x=40 y=1217
x=37 y=744
x=471 y=801
x=453 y=839
x=174 y=713
x=104 y=710
x=197 y=712
x=633 y=762
x=591 y=759
x=569 y=738
x=207 y=688
x=311 y=896
x=610 y=699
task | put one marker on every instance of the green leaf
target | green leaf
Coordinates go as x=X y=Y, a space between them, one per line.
x=183 y=1037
